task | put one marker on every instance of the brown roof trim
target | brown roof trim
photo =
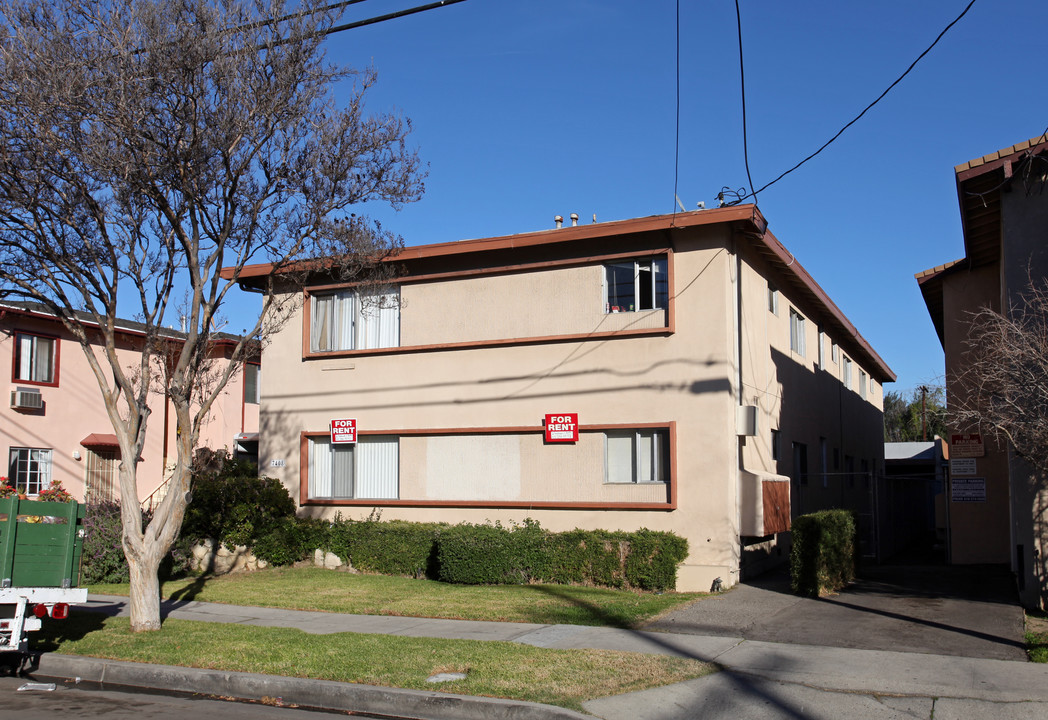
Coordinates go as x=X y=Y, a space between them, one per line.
x=695 y=218
x=746 y=218
x=930 y=283
x=770 y=247
x=994 y=160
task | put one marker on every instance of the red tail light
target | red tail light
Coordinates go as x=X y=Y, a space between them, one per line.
x=40 y=610
x=60 y=611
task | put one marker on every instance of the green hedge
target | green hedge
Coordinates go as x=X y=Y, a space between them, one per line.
x=389 y=548
x=492 y=554
x=822 y=558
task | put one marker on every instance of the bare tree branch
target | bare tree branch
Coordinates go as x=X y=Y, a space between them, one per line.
x=147 y=144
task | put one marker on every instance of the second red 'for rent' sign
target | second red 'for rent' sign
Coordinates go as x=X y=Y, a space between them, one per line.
x=344 y=431
x=562 y=427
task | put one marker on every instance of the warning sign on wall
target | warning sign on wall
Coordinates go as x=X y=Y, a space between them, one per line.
x=344 y=431
x=968 y=489
x=968 y=445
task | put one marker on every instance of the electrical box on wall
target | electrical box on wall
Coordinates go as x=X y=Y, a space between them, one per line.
x=746 y=420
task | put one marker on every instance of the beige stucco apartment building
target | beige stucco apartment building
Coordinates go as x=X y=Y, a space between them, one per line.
x=689 y=369
x=998 y=507
x=55 y=427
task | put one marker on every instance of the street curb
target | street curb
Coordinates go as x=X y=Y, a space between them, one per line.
x=304 y=692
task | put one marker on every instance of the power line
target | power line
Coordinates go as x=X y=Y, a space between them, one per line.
x=840 y=132
x=742 y=80
x=676 y=140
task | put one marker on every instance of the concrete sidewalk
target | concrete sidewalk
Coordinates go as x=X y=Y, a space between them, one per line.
x=761 y=679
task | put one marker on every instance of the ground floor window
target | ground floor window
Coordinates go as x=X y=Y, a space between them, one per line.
x=29 y=469
x=636 y=456
x=368 y=469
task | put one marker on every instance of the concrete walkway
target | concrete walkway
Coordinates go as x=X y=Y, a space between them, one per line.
x=761 y=679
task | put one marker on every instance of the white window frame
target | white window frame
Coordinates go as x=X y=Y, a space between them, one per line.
x=797 y=332
x=658 y=265
x=862 y=383
x=29 y=469
x=342 y=320
x=30 y=365
x=846 y=372
x=773 y=299
x=649 y=456
x=835 y=353
x=372 y=463
x=822 y=350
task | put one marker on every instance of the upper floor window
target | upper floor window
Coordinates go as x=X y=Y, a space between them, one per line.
x=636 y=285
x=636 y=456
x=35 y=358
x=348 y=320
x=773 y=299
x=822 y=350
x=835 y=353
x=862 y=383
x=796 y=332
x=846 y=372
x=252 y=383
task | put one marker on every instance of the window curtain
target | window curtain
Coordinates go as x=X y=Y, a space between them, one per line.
x=379 y=325
x=620 y=457
x=378 y=465
x=332 y=321
x=319 y=468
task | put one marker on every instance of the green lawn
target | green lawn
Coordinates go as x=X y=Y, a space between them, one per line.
x=559 y=677
x=1037 y=636
x=330 y=591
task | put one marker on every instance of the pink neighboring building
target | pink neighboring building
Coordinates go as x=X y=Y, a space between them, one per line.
x=54 y=425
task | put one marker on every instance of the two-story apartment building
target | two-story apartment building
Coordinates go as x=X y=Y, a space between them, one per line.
x=997 y=503
x=677 y=372
x=55 y=426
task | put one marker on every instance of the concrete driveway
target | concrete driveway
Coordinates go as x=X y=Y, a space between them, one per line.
x=967 y=611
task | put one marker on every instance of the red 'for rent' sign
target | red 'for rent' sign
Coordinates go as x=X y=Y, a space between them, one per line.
x=343 y=431
x=562 y=427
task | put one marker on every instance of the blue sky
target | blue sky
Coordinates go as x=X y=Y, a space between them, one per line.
x=525 y=110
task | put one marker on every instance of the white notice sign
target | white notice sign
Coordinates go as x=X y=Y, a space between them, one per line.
x=962 y=466
x=968 y=489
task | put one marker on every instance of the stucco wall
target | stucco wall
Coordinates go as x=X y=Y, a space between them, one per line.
x=73 y=410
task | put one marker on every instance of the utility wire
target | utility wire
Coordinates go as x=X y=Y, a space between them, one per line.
x=857 y=117
x=676 y=141
x=742 y=80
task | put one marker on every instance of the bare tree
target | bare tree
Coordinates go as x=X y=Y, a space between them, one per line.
x=1003 y=386
x=144 y=146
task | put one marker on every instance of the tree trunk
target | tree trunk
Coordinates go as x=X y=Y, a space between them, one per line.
x=145 y=588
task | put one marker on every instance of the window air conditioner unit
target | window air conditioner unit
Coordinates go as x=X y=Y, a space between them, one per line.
x=26 y=399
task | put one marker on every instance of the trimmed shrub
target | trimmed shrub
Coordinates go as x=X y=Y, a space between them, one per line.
x=492 y=554
x=653 y=559
x=291 y=539
x=397 y=547
x=822 y=559
x=231 y=503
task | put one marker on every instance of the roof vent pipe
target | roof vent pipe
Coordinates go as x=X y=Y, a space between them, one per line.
x=559 y=220
x=574 y=219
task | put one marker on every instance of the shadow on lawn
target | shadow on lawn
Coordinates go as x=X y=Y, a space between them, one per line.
x=738 y=683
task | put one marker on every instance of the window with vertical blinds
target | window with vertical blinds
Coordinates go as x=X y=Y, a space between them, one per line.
x=369 y=469
x=348 y=320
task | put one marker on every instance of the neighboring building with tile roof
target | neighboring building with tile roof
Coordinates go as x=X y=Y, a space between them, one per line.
x=995 y=513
